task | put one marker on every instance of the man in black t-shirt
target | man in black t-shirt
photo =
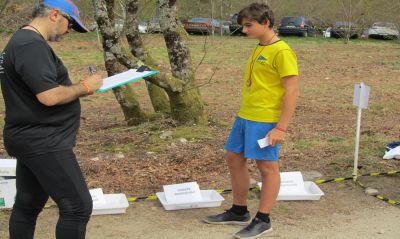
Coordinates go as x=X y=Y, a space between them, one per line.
x=42 y=121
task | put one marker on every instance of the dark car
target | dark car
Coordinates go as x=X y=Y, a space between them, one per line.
x=344 y=30
x=153 y=25
x=203 y=25
x=235 y=28
x=299 y=26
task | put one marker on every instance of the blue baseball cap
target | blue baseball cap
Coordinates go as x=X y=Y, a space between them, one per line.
x=70 y=8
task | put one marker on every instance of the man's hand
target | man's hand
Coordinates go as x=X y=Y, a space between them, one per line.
x=65 y=94
x=94 y=82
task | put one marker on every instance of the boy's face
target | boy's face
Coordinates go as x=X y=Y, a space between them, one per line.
x=254 y=29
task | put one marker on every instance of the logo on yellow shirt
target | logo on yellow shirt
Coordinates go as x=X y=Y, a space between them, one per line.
x=261 y=60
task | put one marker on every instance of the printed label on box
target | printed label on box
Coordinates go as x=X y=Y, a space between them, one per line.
x=182 y=193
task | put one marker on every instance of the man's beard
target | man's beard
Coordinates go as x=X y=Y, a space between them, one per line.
x=56 y=37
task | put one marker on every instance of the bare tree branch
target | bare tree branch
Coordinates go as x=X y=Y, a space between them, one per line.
x=138 y=50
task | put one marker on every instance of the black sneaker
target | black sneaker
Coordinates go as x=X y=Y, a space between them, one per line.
x=255 y=229
x=228 y=217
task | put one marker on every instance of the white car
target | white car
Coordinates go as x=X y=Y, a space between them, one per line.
x=385 y=30
x=143 y=27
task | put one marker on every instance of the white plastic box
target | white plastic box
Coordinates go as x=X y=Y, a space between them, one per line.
x=114 y=204
x=7 y=192
x=7 y=182
x=210 y=198
x=8 y=167
x=311 y=192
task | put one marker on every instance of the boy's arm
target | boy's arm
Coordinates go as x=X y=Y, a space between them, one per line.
x=292 y=91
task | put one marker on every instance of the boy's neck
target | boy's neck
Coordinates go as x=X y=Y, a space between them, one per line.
x=268 y=38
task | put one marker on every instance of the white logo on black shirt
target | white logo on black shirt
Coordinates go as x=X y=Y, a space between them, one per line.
x=2 y=63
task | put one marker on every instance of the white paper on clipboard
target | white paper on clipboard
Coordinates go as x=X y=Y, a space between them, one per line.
x=124 y=78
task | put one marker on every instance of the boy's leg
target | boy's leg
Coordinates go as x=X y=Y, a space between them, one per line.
x=270 y=175
x=239 y=177
x=261 y=224
x=267 y=163
x=237 y=165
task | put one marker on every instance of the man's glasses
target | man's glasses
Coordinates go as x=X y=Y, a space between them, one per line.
x=70 y=20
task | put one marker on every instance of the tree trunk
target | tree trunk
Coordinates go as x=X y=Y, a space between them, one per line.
x=3 y=6
x=157 y=95
x=112 y=54
x=186 y=106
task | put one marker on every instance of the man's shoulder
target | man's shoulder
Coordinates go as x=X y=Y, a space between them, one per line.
x=22 y=38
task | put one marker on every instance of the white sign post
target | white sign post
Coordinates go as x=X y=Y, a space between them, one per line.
x=361 y=96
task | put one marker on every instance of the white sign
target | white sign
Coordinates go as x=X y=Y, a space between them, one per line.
x=361 y=95
x=7 y=192
x=8 y=167
x=292 y=183
x=97 y=195
x=263 y=142
x=182 y=193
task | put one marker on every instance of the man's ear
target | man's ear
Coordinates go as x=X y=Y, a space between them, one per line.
x=53 y=15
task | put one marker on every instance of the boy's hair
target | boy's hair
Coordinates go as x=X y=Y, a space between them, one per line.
x=258 y=12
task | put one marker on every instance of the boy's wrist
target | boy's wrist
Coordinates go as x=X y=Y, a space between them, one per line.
x=282 y=129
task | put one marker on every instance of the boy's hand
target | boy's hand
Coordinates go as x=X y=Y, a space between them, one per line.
x=275 y=136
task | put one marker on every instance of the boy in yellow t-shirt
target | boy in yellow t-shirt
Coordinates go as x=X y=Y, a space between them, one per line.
x=269 y=97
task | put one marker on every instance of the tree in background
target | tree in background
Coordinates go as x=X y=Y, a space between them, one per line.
x=184 y=98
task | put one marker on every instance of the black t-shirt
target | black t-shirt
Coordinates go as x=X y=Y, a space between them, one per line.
x=29 y=66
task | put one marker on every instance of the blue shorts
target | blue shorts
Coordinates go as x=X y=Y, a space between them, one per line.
x=243 y=139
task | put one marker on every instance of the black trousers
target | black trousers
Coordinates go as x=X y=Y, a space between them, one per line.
x=57 y=175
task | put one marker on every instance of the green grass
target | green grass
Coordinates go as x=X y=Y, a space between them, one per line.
x=118 y=148
x=306 y=144
x=393 y=65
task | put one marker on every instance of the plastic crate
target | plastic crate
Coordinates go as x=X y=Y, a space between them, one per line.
x=211 y=198
x=115 y=204
x=311 y=192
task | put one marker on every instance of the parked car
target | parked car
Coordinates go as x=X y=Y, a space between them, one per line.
x=327 y=33
x=383 y=30
x=142 y=27
x=202 y=25
x=300 y=26
x=224 y=26
x=153 y=25
x=235 y=28
x=341 y=29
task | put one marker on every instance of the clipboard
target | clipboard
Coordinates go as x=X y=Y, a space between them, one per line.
x=124 y=78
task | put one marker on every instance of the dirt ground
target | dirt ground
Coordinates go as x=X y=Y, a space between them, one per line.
x=134 y=160
x=345 y=212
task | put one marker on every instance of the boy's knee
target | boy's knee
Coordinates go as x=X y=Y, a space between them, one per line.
x=234 y=160
x=268 y=168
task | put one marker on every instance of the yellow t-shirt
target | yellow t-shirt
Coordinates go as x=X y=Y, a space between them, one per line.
x=262 y=99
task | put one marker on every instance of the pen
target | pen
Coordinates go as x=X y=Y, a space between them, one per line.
x=91 y=70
